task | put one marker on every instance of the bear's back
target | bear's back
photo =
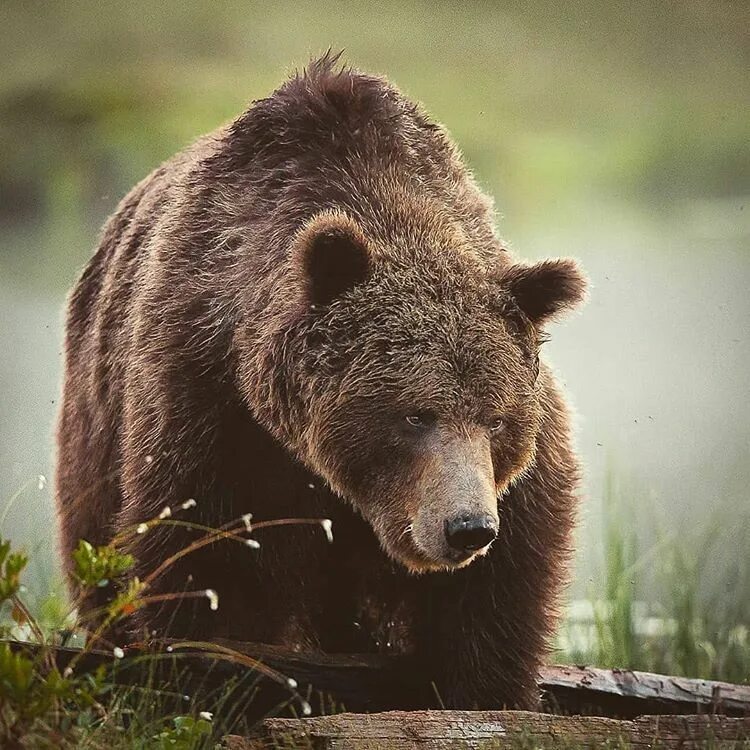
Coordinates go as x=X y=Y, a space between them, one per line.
x=96 y=351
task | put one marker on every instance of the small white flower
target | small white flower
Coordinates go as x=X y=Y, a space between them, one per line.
x=149 y=459
x=42 y=483
x=252 y=543
x=118 y=652
x=306 y=710
x=213 y=598
x=169 y=649
x=142 y=528
x=207 y=715
x=190 y=503
x=246 y=519
x=166 y=512
x=291 y=683
x=327 y=525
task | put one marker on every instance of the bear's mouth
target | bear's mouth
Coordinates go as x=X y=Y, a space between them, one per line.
x=444 y=565
x=418 y=560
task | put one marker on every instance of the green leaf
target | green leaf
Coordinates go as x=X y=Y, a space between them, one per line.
x=96 y=566
x=11 y=567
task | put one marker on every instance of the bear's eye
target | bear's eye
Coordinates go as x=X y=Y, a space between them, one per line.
x=497 y=425
x=420 y=419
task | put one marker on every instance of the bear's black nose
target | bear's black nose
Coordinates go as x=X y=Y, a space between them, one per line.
x=470 y=533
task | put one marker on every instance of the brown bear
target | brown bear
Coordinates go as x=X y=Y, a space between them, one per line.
x=308 y=314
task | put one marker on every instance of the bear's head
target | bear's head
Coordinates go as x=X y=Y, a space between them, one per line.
x=409 y=379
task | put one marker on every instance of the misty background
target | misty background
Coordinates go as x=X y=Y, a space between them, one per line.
x=618 y=133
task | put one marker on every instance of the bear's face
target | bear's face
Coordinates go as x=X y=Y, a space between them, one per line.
x=419 y=401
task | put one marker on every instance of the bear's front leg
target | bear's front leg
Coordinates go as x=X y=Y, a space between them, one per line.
x=492 y=621
x=489 y=640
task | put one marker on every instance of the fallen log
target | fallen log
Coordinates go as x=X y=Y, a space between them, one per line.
x=627 y=693
x=388 y=683
x=370 y=683
x=440 y=730
x=490 y=730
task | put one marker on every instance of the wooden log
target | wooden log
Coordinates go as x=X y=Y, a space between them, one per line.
x=369 y=683
x=386 y=683
x=627 y=693
x=491 y=730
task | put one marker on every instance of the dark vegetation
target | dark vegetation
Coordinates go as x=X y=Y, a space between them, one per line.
x=84 y=702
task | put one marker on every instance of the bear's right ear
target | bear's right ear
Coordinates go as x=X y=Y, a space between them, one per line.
x=333 y=257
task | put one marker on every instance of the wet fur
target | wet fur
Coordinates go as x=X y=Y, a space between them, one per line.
x=198 y=365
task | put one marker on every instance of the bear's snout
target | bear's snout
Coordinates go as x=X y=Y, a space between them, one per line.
x=456 y=514
x=470 y=533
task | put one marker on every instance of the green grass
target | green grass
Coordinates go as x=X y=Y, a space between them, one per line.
x=696 y=621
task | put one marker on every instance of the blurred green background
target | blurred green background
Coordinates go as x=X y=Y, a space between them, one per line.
x=617 y=132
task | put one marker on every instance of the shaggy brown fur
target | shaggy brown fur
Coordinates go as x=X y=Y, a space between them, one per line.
x=307 y=313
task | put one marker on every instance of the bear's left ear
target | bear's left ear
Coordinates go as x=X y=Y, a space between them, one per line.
x=545 y=289
x=332 y=255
